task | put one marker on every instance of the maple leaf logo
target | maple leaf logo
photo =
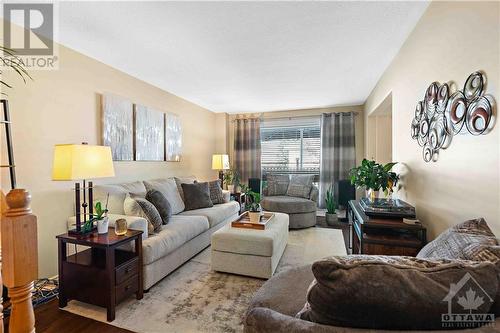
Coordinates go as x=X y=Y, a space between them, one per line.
x=470 y=301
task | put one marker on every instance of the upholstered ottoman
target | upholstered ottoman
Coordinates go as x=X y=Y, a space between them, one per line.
x=250 y=252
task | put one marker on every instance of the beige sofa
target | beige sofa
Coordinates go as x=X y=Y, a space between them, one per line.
x=186 y=234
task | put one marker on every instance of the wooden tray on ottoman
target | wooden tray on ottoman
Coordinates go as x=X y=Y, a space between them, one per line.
x=243 y=221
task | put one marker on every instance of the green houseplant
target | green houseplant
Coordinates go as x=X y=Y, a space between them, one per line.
x=252 y=203
x=374 y=177
x=231 y=177
x=10 y=60
x=101 y=217
x=331 y=207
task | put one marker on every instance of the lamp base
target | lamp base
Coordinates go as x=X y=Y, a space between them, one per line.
x=74 y=232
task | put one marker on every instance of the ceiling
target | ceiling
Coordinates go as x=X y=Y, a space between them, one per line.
x=246 y=56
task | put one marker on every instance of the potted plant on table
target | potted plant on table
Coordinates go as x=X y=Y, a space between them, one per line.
x=374 y=177
x=252 y=203
x=101 y=216
x=331 y=208
x=230 y=178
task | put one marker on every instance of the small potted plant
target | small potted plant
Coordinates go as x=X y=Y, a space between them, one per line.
x=331 y=208
x=101 y=216
x=374 y=177
x=230 y=178
x=252 y=200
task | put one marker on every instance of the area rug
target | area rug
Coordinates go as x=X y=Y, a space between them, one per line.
x=196 y=299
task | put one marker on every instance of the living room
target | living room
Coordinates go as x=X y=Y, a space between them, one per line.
x=206 y=115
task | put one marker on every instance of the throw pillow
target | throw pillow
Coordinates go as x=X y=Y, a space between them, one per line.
x=300 y=186
x=452 y=242
x=402 y=293
x=197 y=196
x=137 y=206
x=216 y=194
x=184 y=180
x=277 y=184
x=161 y=204
x=169 y=189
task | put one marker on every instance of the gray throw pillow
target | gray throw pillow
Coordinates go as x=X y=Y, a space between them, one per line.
x=300 y=186
x=216 y=194
x=277 y=184
x=161 y=204
x=170 y=191
x=137 y=206
x=451 y=243
x=404 y=293
x=184 y=180
x=196 y=196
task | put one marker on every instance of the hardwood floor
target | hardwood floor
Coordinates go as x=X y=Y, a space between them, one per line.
x=50 y=319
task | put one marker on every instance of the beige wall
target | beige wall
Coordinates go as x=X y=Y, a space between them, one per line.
x=451 y=41
x=63 y=106
x=359 y=129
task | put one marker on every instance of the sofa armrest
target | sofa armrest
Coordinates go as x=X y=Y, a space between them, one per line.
x=266 y=320
x=227 y=196
x=133 y=222
x=314 y=194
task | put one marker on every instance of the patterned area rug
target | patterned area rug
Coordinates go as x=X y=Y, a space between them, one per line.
x=196 y=299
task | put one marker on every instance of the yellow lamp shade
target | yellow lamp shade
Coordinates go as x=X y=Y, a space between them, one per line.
x=76 y=162
x=220 y=162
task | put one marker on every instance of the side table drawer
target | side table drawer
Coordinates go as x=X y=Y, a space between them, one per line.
x=126 y=288
x=127 y=270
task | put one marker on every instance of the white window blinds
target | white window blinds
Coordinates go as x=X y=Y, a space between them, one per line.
x=291 y=145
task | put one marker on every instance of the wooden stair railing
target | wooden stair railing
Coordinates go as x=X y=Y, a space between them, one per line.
x=20 y=259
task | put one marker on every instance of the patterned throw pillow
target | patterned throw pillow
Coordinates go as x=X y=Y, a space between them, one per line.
x=482 y=252
x=216 y=194
x=137 y=206
x=161 y=204
x=452 y=242
x=300 y=186
x=277 y=184
x=400 y=293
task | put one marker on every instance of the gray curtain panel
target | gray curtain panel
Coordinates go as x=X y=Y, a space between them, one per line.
x=247 y=148
x=338 y=152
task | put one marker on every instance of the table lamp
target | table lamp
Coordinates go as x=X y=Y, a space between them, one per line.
x=82 y=162
x=220 y=162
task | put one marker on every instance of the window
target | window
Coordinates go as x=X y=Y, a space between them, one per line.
x=290 y=146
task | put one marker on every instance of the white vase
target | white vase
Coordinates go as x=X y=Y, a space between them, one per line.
x=254 y=217
x=102 y=225
x=230 y=188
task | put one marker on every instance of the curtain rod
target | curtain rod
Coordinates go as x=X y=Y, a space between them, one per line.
x=355 y=113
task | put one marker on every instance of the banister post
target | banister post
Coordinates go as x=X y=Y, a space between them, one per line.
x=20 y=259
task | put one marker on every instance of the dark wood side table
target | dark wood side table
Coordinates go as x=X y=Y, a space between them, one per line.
x=383 y=236
x=102 y=275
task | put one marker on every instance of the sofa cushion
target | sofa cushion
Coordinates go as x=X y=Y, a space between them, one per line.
x=196 y=196
x=184 y=180
x=117 y=194
x=347 y=286
x=452 y=242
x=161 y=204
x=137 y=206
x=277 y=184
x=168 y=188
x=300 y=186
x=217 y=213
x=216 y=194
x=178 y=231
x=289 y=205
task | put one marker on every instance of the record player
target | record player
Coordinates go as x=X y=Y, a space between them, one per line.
x=387 y=208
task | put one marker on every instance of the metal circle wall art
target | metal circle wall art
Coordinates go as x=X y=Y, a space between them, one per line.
x=442 y=114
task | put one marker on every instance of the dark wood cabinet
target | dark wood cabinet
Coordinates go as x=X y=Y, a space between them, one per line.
x=102 y=275
x=383 y=236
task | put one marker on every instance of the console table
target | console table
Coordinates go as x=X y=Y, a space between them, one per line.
x=102 y=275
x=383 y=236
